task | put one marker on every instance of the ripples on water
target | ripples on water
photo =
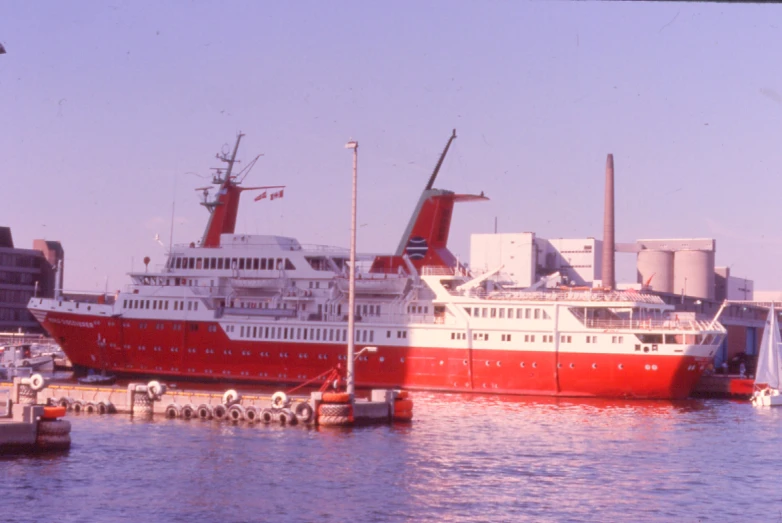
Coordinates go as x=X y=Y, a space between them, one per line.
x=464 y=458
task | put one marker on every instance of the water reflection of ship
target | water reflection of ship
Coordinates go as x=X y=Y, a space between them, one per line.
x=511 y=402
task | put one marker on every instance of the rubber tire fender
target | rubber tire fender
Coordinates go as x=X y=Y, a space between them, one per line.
x=219 y=412
x=286 y=417
x=267 y=416
x=251 y=414
x=204 y=411
x=230 y=397
x=280 y=400
x=236 y=413
x=54 y=427
x=172 y=411
x=304 y=412
x=155 y=389
x=188 y=412
x=37 y=382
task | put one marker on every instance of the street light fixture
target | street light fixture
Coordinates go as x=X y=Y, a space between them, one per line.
x=351 y=377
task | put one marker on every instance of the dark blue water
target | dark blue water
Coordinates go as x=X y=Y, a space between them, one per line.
x=465 y=458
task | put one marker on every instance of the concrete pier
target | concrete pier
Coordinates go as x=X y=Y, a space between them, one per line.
x=30 y=427
x=139 y=399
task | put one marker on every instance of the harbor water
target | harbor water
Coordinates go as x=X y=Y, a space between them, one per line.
x=465 y=458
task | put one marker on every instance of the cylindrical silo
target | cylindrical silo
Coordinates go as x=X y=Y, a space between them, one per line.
x=656 y=267
x=693 y=273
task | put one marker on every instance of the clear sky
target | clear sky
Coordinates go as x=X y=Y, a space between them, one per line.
x=107 y=108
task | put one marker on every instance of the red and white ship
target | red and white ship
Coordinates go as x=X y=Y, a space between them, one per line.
x=266 y=309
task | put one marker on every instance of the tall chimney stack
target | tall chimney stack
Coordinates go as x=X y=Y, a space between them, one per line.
x=609 y=280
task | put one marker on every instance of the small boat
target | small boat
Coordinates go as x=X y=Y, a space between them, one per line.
x=97 y=379
x=769 y=371
x=22 y=356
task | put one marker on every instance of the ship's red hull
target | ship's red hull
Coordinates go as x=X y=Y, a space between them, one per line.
x=196 y=352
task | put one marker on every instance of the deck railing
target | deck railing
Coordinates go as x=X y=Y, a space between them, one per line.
x=562 y=296
x=652 y=325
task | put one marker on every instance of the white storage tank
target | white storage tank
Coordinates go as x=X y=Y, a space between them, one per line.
x=657 y=265
x=693 y=273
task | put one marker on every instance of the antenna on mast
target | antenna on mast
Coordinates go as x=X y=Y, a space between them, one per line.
x=440 y=161
x=230 y=161
x=171 y=232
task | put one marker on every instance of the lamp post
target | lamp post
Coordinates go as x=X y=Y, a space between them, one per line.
x=351 y=378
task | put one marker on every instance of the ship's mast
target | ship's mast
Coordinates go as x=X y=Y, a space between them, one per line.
x=225 y=205
x=430 y=183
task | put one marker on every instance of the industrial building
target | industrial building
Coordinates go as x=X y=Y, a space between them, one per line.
x=521 y=259
x=681 y=271
x=25 y=273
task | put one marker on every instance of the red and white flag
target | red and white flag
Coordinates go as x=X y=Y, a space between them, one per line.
x=261 y=196
x=276 y=195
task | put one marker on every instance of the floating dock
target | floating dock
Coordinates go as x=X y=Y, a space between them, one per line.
x=154 y=398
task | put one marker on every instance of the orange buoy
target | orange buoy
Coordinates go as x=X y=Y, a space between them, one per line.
x=403 y=415
x=403 y=405
x=402 y=395
x=336 y=397
x=50 y=413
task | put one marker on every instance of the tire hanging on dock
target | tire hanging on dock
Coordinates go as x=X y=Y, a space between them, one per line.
x=172 y=411
x=286 y=417
x=188 y=412
x=267 y=416
x=304 y=412
x=219 y=412
x=236 y=413
x=204 y=411
x=251 y=414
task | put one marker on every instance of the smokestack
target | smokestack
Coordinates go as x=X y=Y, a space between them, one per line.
x=608 y=227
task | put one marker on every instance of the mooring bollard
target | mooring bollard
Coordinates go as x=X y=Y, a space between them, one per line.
x=26 y=389
x=142 y=398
